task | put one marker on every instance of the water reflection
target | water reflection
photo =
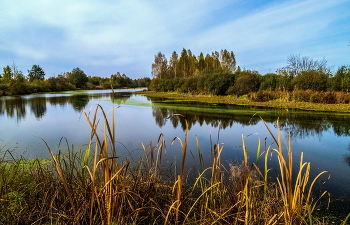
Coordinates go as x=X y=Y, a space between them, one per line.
x=299 y=124
x=37 y=107
x=17 y=106
x=347 y=157
x=120 y=97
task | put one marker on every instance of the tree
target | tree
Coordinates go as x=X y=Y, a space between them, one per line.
x=208 y=62
x=7 y=73
x=77 y=77
x=312 y=79
x=201 y=63
x=269 y=82
x=297 y=64
x=183 y=63
x=174 y=59
x=192 y=63
x=36 y=73
x=216 y=62
x=160 y=66
x=228 y=61
x=15 y=71
x=341 y=80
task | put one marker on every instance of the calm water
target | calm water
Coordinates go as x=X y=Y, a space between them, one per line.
x=323 y=137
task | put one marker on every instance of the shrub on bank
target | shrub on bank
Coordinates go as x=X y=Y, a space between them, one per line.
x=189 y=85
x=328 y=97
x=342 y=98
x=208 y=83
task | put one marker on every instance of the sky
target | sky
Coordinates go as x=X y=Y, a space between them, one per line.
x=110 y=36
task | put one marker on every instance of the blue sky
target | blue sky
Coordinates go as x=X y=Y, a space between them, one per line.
x=104 y=37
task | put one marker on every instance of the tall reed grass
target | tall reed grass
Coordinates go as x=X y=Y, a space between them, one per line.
x=95 y=187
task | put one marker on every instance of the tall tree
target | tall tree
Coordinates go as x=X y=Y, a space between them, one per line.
x=7 y=73
x=228 y=60
x=160 y=66
x=36 y=73
x=341 y=80
x=77 y=77
x=208 y=62
x=191 y=63
x=174 y=60
x=297 y=64
x=183 y=63
x=216 y=62
x=201 y=63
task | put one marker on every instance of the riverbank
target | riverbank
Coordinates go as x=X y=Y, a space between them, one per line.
x=244 y=100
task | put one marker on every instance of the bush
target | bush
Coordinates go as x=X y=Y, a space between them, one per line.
x=269 y=82
x=330 y=97
x=317 y=97
x=247 y=81
x=313 y=80
x=341 y=80
x=190 y=85
x=342 y=97
x=216 y=84
x=302 y=95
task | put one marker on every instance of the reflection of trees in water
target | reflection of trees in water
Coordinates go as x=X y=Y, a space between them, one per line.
x=60 y=100
x=120 y=97
x=16 y=105
x=304 y=125
x=161 y=116
x=341 y=127
x=346 y=157
x=298 y=124
x=2 y=110
x=38 y=106
x=78 y=102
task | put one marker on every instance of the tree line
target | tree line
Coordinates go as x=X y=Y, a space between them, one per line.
x=188 y=65
x=13 y=81
x=218 y=74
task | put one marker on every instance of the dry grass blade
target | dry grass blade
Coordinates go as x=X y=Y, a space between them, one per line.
x=277 y=143
x=62 y=178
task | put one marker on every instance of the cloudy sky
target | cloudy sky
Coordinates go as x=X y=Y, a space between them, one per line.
x=104 y=37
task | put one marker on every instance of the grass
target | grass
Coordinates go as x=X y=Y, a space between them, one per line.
x=94 y=187
x=244 y=100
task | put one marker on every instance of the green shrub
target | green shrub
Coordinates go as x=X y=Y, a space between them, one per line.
x=247 y=81
x=190 y=85
x=313 y=80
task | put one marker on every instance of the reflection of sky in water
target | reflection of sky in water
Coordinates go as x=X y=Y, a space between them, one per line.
x=323 y=138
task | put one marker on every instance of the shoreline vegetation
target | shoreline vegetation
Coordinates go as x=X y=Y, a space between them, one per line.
x=303 y=83
x=13 y=82
x=93 y=187
x=285 y=103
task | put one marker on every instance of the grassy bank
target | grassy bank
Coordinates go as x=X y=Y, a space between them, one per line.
x=244 y=100
x=94 y=187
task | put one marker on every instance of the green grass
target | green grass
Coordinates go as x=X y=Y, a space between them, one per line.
x=93 y=187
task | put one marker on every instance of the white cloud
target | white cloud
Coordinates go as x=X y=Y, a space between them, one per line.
x=278 y=25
